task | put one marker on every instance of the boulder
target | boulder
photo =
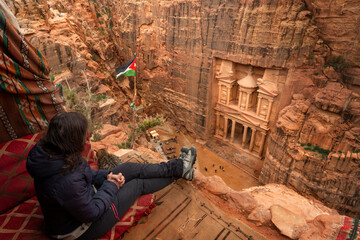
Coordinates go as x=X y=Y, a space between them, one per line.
x=290 y=224
x=331 y=74
x=323 y=227
x=261 y=214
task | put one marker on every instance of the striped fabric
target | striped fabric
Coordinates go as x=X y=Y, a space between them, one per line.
x=28 y=99
x=350 y=229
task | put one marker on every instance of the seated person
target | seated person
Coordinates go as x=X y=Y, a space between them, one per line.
x=79 y=202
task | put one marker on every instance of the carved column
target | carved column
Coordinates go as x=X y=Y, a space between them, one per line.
x=262 y=142
x=252 y=141
x=240 y=99
x=269 y=110
x=225 y=127
x=241 y=105
x=233 y=130
x=247 y=101
x=228 y=95
x=244 y=135
x=217 y=124
x=258 y=106
x=219 y=97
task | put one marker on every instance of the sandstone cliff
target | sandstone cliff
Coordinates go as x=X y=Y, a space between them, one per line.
x=315 y=148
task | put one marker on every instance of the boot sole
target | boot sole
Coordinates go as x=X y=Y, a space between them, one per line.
x=194 y=155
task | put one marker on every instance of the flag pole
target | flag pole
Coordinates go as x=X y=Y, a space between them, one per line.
x=134 y=113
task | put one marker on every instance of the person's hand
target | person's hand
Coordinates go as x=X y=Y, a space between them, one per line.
x=118 y=179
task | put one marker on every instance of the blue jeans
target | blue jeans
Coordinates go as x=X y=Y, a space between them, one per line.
x=140 y=179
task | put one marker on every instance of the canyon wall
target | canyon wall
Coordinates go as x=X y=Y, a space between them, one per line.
x=313 y=143
x=178 y=42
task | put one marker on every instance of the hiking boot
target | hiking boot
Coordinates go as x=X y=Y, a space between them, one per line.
x=189 y=158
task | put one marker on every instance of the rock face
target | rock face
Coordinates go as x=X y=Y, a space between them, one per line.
x=314 y=148
x=178 y=41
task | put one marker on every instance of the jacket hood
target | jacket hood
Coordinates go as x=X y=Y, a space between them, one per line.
x=40 y=164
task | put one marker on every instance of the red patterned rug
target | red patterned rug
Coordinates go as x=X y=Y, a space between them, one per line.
x=25 y=222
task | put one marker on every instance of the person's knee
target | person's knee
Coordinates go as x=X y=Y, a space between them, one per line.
x=137 y=185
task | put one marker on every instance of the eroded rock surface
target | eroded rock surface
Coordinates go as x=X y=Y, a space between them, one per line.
x=294 y=215
x=314 y=148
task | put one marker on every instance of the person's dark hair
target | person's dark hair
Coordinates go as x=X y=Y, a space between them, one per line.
x=66 y=136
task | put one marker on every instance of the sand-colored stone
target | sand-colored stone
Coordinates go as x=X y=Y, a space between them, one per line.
x=323 y=227
x=287 y=222
x=261 y=215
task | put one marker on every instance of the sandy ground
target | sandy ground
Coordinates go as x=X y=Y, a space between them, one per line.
x=208 y=162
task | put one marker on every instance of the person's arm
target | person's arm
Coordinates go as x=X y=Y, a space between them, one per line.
x=77 y=198
x=99 y=176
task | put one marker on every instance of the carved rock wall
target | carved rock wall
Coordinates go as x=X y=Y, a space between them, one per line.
x=315 y=148
x=177 y=42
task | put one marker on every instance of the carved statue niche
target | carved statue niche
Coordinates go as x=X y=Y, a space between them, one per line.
x=267 y=91
x=247 y=87
x=226 y=82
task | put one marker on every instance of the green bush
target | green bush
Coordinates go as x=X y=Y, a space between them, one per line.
x=74 y=103
x=95 y=57
x=150 y=122
x=96 y=137
x=123 y=145
x=97 y=98
x=316 y=148
x=52 y=78
x=338 y=63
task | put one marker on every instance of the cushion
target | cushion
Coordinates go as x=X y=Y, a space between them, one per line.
x=16 y=185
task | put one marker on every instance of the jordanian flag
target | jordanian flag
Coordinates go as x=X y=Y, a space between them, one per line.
x=128 y=69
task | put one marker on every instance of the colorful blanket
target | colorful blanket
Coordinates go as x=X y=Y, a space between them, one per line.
x=28 y=99
x=350 y=230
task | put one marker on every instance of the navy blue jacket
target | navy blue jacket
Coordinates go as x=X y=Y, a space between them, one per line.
x=67 y=199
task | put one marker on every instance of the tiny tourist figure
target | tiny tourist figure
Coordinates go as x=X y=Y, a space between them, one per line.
x=81 y=203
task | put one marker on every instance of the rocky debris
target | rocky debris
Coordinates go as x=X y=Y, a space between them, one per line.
x=287 y=222
x=294 y=215
x=109 y=129
x=111 y=142
x=331 y=74
x=261 y=215
x=320 y=80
